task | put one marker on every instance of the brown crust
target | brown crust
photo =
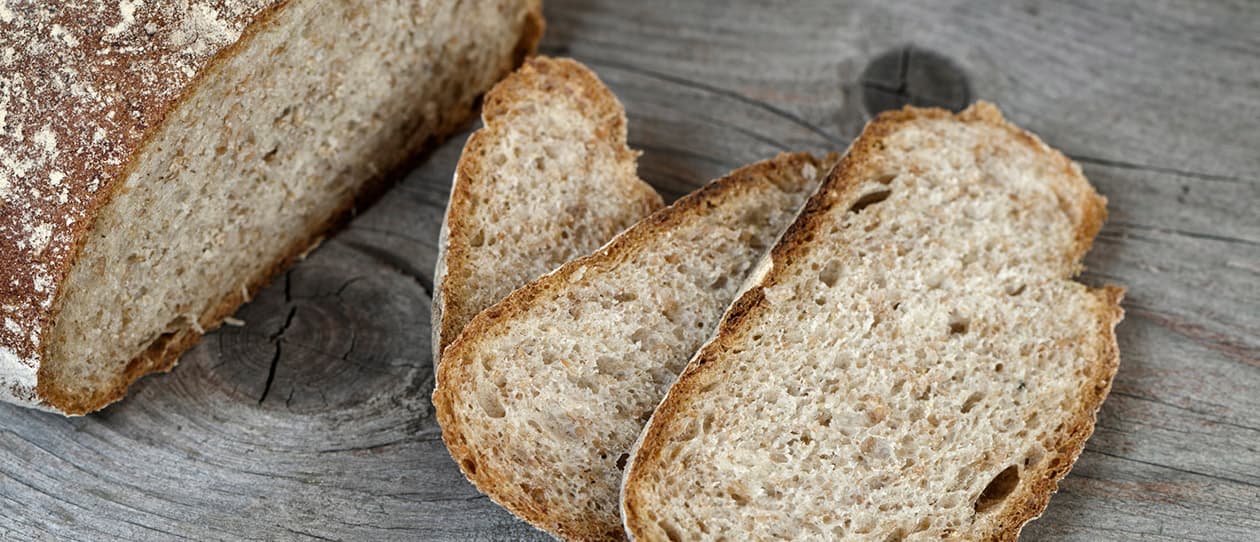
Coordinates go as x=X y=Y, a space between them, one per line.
x=840 y=188
x=452 y=307
x=136 y=79
x=451 y=372
x=164 y=354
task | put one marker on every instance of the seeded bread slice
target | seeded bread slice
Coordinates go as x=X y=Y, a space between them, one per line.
x=542 y=395
x=549 y=178
x=913 y=361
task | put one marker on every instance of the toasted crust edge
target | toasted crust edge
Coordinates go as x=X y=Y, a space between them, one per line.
x=164 y=355
x=639 y=235
x=840 y=187
x=450 y=307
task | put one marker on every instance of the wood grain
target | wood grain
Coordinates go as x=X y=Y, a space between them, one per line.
x=312 y=420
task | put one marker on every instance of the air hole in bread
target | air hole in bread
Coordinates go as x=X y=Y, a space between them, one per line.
x=971 y=401
x=896 y=536
x=737 y=495
x=478 y=239
x=958 y=325
x=607 y=365
x=923 y=525
x=830 y=273
x=1034 y=457
x=469 y=466
x=688 y=433
x=623 y=297
x=533 y=492
x=885 y=179
x=1015 y=290
x=489 y=401
x=998 y=489
x=621 y=461
x=585 y=382
x=868 y=200
x=719 y=283
x=671 y=532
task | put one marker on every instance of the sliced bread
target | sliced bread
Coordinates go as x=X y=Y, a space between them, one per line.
x=542 y=395
x=913 y=361
x=161 y=161
x=548 y=179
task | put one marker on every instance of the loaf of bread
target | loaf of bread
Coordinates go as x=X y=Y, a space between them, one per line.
x=542 y=394
x=912 y=362
x=159 y=161
x=549 y=178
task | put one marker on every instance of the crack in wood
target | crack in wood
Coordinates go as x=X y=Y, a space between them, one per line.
x=1120 y=164
x=278 y=339
x=1184 y=233
x=1219 y=342
x=1207 y=416
x=682 y=81
x=427 y=243
x=309 y=535
x=393 y=262
x=1172 y=468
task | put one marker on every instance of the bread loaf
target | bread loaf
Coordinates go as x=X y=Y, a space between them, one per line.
x=542 y=395
x=549 y=178
x=159 y=161
x=912 y=362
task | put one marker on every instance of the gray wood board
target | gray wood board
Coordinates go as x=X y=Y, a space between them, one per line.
x=313 y=420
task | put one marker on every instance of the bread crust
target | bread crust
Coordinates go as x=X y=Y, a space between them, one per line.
x=454 y=274
x=840 y=189
x=163 y=354
x=450 y=373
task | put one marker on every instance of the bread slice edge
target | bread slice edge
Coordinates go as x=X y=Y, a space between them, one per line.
x=840 y=188
x=30 y=389
x=444 y=328
x=519 y=300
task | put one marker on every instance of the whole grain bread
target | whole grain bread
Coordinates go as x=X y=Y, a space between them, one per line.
x=542 y=395
x=913 y=361
x=162 y=160
x=548 y=179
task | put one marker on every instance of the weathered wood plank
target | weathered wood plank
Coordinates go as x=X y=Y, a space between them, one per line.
x=312 y=420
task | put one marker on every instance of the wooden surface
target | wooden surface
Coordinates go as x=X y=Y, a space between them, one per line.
x=313 y=421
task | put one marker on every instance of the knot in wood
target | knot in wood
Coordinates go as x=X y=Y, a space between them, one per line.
x=910 y=75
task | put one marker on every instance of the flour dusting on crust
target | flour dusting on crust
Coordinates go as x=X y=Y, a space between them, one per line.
x=81 y=84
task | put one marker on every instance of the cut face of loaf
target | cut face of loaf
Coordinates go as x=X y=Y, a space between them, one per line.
x=277 y=115
x=549 y=178
x=914 y=363
x=542 y=395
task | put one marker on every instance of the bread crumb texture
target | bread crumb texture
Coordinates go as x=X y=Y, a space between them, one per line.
x=157 y=159
x=543 y=394
x=548 y=179
x=918 y=364
x=80 y=84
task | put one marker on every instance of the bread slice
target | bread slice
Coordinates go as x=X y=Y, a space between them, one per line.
x=542 y=395
x=162 y=160
x=549 y=178
x=912 y=362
